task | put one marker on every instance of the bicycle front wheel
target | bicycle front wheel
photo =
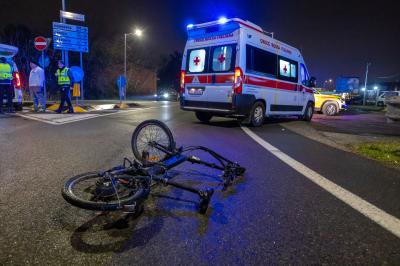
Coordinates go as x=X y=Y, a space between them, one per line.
x=145 y=135
x=93 y=192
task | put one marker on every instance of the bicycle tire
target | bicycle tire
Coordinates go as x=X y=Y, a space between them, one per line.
x=67 y=193
x=152 y=122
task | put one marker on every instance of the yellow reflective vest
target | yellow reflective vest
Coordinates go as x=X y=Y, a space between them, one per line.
x=62 y=77
x=6 y=73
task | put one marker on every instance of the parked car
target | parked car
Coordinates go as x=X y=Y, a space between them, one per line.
x=9 y=52
x=381 y=99
x=328 y=104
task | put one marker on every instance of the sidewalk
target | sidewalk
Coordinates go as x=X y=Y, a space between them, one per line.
x=353 y=133
x=90 y=105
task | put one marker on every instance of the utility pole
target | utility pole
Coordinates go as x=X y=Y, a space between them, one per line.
x=64 y=54
x=126 y=84
x=365 y=84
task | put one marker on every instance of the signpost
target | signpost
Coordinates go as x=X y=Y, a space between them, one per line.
x=121 y=84
x=72 y=16
x=40 y=44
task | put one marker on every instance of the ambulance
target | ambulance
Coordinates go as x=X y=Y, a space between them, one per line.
x=233 y=68
x=8 y=52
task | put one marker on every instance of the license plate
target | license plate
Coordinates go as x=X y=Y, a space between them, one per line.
x=196 y=91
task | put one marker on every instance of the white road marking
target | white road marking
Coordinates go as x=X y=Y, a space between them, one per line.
x=377 y=215
x=61 y=119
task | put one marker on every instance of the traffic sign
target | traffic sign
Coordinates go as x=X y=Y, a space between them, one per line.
x=72 y=16
x=44 y=61
x=121 y=84
x=70 y=37
x=121 y=81
x=77 y=73
x=40 y=43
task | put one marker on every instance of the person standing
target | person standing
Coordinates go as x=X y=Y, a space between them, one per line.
x=6 y=84
x=64 y=81
x=36 y=87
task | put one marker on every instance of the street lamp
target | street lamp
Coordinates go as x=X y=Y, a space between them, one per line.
x=138 y=33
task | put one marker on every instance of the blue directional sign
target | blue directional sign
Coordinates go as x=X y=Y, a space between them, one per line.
x=70 y=37
x=77 y=73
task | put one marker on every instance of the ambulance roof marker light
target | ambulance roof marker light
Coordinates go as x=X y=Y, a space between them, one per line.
x=222 y=20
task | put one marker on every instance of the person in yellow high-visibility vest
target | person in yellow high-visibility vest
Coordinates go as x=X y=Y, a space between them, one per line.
x=6 y=84
x=64 y=81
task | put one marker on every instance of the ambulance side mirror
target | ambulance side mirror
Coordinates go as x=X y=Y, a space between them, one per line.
x=312 y=82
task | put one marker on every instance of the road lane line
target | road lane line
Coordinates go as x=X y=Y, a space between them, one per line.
x=377 y=215
x=64 y=120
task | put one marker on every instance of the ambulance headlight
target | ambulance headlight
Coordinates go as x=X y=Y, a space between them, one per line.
x=222 y=20
x=166 y=95
x=189 y=26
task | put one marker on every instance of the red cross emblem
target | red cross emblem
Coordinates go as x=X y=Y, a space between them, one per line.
x=196 y=60
x=221 y=58
x=285 y=69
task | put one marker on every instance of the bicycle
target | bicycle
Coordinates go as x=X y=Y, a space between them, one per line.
x=127 y=186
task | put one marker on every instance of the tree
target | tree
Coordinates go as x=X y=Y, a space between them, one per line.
x=106 y=63
x=169 y=72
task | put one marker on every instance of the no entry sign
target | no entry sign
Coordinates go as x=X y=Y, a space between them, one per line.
x=40 y=43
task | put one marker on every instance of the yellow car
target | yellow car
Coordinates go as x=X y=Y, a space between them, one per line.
x=328 y=104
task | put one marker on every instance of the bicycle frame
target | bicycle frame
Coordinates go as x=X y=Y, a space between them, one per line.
x=156 y=171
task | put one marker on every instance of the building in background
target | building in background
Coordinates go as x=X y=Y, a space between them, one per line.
x=348 y=85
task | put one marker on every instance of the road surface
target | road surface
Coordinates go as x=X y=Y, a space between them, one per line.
x=276 y=214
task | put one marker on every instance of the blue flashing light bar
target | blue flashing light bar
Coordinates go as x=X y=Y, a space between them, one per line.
x=222 y=20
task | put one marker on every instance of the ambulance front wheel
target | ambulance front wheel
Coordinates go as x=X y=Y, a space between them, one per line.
x=308 y=112
x=204 y=117
x=257 y=115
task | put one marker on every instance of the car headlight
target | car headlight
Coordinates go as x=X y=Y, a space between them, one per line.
x=166 y=95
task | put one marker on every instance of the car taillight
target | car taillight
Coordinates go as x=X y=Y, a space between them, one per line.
x=17 y=80
x=238 y=81
x=182 y=88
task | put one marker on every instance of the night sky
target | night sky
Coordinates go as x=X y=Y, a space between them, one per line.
x=335 y=37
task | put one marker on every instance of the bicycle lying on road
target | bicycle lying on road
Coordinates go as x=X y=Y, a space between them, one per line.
x=127 y=186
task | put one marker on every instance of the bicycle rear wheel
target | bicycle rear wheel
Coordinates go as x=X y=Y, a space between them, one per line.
x=93 y=192
x=145 y=135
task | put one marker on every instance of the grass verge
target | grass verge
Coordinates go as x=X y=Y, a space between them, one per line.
x=387 y=152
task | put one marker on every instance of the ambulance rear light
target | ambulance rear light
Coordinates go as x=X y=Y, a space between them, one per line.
x=238 y=81
x=182 y=87
x=17 y=80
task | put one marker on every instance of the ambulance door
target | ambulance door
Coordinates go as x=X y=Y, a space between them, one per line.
x=304 y=78
x=221 y=69
x=196 y=77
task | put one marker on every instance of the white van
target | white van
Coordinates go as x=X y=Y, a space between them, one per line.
x=9 y=52
x=381 y=99
x=232 y=68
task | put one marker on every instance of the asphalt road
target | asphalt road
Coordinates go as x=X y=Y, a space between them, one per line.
x=274 y=215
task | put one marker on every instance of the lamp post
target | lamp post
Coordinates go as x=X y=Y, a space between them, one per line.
x=138 y=33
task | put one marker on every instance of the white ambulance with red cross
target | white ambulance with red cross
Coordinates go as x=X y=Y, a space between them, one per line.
x=233 y=68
